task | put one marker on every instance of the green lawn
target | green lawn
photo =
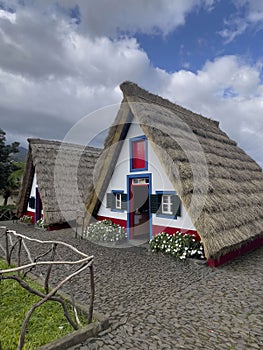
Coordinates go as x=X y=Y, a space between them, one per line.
x=46 y=323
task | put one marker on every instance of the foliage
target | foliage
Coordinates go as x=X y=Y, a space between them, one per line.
x=14 y=179
x=47 y=322
x=106 y=231
x=179 y=245
x=7 y=166
x=26 y=219
x=41 y=223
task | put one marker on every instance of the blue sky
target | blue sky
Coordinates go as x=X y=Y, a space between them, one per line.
x=62 y=60
x=200 y=38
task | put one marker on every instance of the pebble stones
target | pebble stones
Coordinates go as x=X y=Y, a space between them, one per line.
x=157 y=303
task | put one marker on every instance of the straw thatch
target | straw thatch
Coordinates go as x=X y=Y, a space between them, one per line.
x=64 y=176
x=220 y=186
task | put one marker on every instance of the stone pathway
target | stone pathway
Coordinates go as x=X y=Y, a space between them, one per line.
x=155 y=302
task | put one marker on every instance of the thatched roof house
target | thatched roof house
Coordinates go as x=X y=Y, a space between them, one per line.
x=63 y=174
x=219 y=185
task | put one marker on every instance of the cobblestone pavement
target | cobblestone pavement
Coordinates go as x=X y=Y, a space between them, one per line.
x=156 y=302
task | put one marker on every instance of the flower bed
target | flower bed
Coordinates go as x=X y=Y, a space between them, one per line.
x=41 y=223
x=179 y=245
x=106 y=231
x=26 y=219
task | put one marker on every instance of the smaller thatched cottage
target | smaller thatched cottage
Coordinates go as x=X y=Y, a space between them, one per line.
x=56 y=181
x=165 y=168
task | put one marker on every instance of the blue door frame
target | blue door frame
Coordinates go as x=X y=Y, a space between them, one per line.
x=138 y=176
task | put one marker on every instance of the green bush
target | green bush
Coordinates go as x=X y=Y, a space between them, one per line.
x=106 y=231
x=179 y=245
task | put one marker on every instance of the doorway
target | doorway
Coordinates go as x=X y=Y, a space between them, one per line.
x=39 y=207
x=139 y=216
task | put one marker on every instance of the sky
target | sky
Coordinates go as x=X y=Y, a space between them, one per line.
x=62 y=60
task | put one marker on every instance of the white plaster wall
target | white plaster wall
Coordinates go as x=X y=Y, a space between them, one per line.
x=160 y=182
x=33 y=192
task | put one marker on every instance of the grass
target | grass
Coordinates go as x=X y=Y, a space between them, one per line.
x=47 y=322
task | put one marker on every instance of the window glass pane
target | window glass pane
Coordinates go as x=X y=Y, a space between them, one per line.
x=165 y=207
x=138 y=154
x=165 y=199
x=140 y=181
x=166 y=204
x=118 y=200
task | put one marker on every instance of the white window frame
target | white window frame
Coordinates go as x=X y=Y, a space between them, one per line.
x=167 y=205
x=140 y=181
x=117 y=200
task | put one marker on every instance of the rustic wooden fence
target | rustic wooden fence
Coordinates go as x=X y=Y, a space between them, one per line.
x=16 y=248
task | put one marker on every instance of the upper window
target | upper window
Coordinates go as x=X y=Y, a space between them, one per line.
x=138 y=153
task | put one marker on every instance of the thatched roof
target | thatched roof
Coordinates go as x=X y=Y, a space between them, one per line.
x=220 y=186
x=64 y=176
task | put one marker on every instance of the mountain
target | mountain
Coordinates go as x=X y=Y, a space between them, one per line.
x=21 y=155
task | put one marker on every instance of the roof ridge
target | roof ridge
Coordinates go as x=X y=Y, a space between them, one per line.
x=36 y=141
x=129 y=88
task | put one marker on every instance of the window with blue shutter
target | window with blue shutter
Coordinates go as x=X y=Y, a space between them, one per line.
x=166 y=204
x=116 y=200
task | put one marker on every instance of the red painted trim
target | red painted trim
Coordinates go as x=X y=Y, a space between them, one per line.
x=55 y=227
x=172 y=230
x=156 y=229
x=122 y=223
x=29 y=213
x=234 y=254
x=52 y=227
x=211 y=262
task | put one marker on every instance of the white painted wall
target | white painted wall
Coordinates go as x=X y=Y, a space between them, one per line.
x=160 y=182
x=33 y=192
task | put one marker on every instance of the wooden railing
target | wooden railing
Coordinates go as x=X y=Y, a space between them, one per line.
x=17 y=248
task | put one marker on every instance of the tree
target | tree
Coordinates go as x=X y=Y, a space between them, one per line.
x=7 y=166
x=14 y=179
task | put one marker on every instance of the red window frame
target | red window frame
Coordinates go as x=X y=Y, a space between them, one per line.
x=139 y=154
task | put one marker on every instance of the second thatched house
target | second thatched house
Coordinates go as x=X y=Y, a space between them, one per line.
x=56 y=181
x=165 y=168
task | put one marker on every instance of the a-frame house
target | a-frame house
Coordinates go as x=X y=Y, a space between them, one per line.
x=165 y=168
x=56 y=181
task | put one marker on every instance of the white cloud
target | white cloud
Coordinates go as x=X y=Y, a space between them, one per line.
x=249 y=14
x=254 y=9
x=103 y=17
x=51 y=75
x=239 y=112
x=233 y=28
x=8 y=15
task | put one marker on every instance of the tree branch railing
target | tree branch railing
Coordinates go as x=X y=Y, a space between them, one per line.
x=7 y=214
x=15 y=242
